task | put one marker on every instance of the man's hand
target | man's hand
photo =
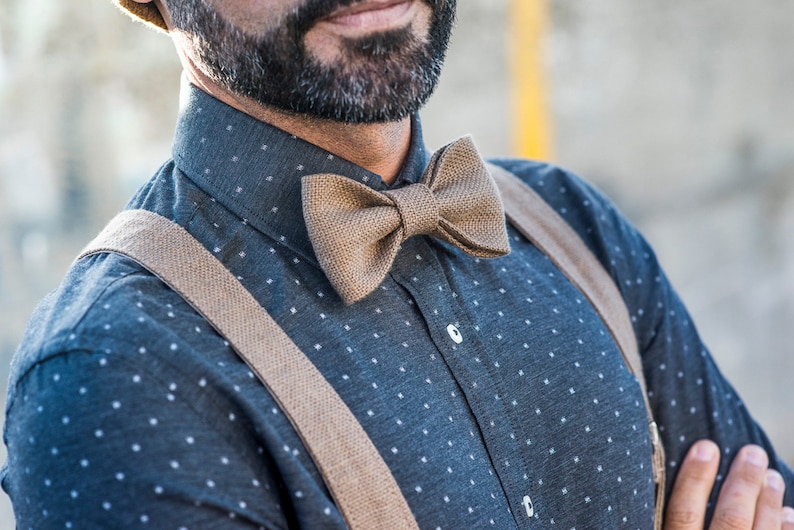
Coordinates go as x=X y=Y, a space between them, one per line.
x=751 y=497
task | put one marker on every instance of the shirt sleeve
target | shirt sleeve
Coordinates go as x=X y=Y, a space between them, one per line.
x=690 y=397
x=97 y=442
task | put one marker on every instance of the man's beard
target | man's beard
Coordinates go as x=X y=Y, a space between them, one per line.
x=382 y=77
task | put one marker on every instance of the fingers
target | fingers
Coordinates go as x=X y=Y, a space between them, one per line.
x=746 y=494
x=768 y=512
x=686 y=508
x=788 y=518
x=751 y=497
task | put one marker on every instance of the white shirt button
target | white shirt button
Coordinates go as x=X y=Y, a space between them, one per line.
x=454 y=334
x=528 y=506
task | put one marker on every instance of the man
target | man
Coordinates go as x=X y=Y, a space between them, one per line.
x=489 y=386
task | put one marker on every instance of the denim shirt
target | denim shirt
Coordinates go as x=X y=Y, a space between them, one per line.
x=490 y=386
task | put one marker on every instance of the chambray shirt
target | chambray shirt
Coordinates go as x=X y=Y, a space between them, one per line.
x=490 y=387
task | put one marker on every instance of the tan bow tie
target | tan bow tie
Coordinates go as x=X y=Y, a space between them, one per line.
x=357 y=231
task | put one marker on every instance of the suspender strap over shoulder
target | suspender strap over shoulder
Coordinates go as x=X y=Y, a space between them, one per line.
x=359 y=480
x=544 y=227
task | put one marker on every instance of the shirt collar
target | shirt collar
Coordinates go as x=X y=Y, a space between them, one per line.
x=254 y=169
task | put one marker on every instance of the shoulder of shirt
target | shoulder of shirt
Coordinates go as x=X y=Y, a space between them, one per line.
x=569 y=194
x=95 y=310
x=605 y=231
x=548 y=179
x=105 y=301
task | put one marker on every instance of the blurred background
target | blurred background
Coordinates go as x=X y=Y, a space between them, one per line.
x=680 y=111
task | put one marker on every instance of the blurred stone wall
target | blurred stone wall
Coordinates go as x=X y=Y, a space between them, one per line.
x=680 y=111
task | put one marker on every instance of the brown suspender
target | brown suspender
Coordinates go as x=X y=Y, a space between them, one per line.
x=359 y=480
x=357 y=477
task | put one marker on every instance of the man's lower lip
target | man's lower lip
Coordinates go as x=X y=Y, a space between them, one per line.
x=384 y=16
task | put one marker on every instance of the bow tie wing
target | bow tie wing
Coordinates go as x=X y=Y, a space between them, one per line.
x=471 y=215
x=355 y=232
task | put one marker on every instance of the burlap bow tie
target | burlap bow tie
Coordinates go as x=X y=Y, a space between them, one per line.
x=357 y=231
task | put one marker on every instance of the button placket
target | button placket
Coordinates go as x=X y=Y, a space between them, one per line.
x=462 y=355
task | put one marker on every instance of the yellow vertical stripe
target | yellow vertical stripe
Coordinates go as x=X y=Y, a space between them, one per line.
x=531 y=127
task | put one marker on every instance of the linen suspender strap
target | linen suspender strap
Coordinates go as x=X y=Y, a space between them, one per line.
x=549 y=232
x=359 y=480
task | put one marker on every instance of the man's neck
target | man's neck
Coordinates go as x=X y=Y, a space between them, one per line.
x=379 y=147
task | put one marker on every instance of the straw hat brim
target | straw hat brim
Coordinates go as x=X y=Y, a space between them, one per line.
x=148 y=13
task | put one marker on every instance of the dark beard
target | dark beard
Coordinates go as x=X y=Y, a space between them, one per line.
x=382 y=77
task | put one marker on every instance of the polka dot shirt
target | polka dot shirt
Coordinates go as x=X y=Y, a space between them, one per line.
x=490 y=387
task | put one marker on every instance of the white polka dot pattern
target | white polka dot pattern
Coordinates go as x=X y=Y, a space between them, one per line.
x=490 y=387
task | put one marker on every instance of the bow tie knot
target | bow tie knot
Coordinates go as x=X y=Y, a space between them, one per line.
x=418 y=209
x=356 y=231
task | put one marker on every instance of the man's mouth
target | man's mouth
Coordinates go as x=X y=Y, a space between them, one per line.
x=370 y=14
